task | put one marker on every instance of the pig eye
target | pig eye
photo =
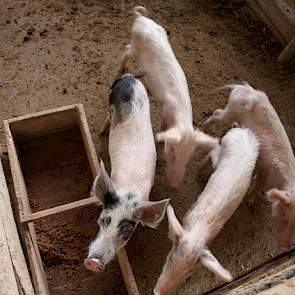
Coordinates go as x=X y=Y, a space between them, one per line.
x=126 y=228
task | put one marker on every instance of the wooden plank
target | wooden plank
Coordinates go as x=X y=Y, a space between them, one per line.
x=45 y=122
x=27 y=232
x=259 y=278
x=274 y=11
x=288 y=10
x=262 y=14
x=8 y=284
x=127 y=273
x=88 y=143
x=278 y=15
x=285 y=288
x=14 y=246
x=58 y=209
x=288 y=52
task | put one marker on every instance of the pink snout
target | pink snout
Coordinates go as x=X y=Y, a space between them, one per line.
x=94 y=264
x=156 y=292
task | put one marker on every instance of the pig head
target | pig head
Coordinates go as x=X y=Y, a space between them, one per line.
x=186 y=254
x=120 y=215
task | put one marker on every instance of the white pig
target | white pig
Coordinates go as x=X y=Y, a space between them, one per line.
x=234 y=161
x=276 y=163
x=125 y=194
x=166 y=81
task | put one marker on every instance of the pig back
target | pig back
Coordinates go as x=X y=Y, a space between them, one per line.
x=228 y=184
x=131 y=142
x=276 y=157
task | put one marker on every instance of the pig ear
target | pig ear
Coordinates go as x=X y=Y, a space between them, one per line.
x=210 y=261
x=171 y=135
x=102 y=184
x=278 y=195
x=215 y=117
x=175 y=228
x=151 y=213
x=203 y=139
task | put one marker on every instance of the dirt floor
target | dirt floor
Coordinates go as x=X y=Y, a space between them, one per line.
x=55 y=53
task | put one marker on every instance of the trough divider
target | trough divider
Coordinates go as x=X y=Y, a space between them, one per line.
x=59 y=209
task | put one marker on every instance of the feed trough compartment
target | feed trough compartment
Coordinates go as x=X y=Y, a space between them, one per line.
x=53 y=164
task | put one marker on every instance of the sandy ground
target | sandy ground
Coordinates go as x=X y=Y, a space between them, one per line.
x=55 y=53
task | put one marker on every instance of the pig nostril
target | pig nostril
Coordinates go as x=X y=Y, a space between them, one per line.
x=157 y=292
x=93 y=264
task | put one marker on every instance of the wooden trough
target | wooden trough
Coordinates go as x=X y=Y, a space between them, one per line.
x=279 y=15
x=53 y=163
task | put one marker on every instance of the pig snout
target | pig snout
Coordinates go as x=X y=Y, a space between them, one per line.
x=94 y=264
x=158 y=291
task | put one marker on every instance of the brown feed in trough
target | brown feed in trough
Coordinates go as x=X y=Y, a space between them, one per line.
x=53 y=163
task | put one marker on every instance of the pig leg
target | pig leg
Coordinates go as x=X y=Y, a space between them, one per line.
x=128 y=53
x=106 y=126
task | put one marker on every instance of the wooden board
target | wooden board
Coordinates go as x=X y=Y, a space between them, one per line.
x=8 y=285
x=270 y=273
x=278 y=16
x=15 y=250
x=286 y=288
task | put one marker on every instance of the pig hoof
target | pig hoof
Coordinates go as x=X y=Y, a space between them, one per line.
x=93 y=265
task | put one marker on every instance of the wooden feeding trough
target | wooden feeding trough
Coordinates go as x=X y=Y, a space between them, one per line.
x=279 y=16
x=53 y=164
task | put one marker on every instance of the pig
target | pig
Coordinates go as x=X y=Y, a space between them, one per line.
x=234 y=161
x=125 y=195
x=167 y=82
x=275 y=173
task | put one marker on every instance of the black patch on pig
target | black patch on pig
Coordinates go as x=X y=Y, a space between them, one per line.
x=121 y=97
x=126 y=228
x=110 y=200
x=98 y=257
x=130 y=196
